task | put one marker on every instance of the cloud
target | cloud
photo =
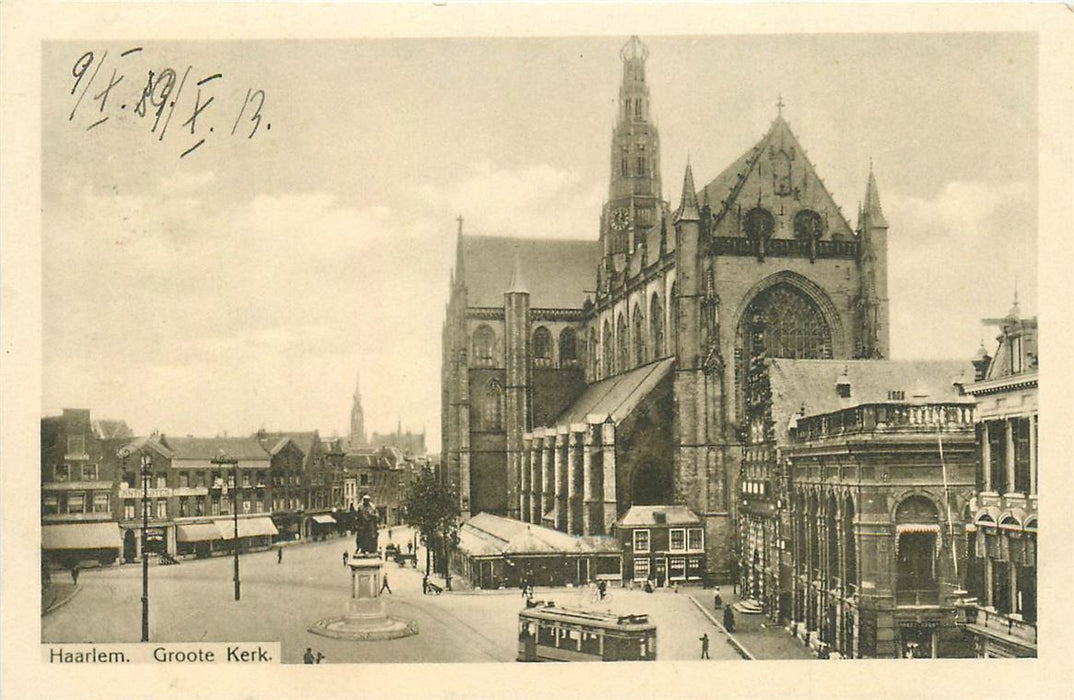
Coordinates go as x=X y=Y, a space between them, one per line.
x=536 y=200
x=956 y=258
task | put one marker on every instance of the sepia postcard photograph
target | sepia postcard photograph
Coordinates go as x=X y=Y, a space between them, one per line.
x=438 y=349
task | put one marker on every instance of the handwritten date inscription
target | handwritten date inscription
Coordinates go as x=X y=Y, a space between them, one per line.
x=153 y=96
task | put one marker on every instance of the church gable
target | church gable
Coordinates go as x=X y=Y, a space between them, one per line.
x=773 y=191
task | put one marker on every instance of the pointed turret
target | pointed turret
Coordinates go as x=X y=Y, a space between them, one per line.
x=517 y=285
x=688 y=209
x=872 y=215
x=357 y=432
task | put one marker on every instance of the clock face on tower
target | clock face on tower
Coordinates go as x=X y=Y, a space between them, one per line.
x=620 y=219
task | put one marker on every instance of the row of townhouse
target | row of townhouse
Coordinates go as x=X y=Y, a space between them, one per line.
x=198 y=496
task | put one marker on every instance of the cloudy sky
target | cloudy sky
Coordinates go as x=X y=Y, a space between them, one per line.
x=246 y=283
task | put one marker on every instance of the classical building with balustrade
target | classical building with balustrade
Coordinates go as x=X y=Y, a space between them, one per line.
x=582 y=377
x=861 y=548
x=1001 y=519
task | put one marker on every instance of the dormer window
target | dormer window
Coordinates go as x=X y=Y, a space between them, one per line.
x=896 y=395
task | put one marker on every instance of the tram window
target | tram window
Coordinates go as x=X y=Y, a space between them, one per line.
x=546 y=635
x=590 y=643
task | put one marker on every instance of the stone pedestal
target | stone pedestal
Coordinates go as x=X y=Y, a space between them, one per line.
x=367 y=615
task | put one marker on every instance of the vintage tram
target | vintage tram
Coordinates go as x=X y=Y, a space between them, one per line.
x=550 y=633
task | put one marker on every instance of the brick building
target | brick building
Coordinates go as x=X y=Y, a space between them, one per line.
x=656 y=310
x=79 y=473
x=664 y=544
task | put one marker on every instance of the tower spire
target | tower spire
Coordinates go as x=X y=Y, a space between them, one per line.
x=517 y=285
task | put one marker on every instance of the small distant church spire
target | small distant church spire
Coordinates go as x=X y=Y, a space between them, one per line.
x=357 y=432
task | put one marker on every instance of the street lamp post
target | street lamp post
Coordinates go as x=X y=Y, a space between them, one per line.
x=147 y=465
x=222 y=459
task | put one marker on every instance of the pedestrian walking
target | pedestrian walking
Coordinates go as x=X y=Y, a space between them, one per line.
x=717 y=601
x=704 y=639
x=345 y=557
x=384 y=584
x=319 y=657
x=728 y=619
x=74 y=573
x=409 y=547
x=279 y=555
x=602 y=588
x=424 y=585
x=307 y=658
x=648 y=586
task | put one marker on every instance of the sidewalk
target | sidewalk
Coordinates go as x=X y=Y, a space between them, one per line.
x=761 y=637
x=57 y=595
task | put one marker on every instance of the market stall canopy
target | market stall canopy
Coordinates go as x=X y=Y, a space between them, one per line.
x=324 y=519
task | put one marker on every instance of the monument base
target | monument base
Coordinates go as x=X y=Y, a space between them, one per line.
x=367 y=617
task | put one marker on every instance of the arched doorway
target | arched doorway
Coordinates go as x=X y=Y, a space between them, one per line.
x=130 y=549
x=917 y=532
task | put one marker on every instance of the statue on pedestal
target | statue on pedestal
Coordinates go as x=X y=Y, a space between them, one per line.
x=367 y=521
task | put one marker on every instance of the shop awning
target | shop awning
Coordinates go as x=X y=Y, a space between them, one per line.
x=198 y=532
x=324 y=520
x=248 y=527
x=81 y=536
x=908 y=528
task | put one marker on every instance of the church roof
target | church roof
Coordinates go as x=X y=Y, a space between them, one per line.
x=810 y=384
x=557 y=272
x=618 y=396
x=749 y=177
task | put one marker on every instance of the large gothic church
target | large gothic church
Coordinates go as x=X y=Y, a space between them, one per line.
x=580 y=378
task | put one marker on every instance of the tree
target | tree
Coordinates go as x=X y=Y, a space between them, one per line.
x=432 y=508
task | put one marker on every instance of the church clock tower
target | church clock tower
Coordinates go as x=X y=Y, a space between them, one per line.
x=633 y=204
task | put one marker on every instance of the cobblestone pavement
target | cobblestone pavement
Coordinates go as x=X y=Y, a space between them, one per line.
x=194 y=601
x=764 y=639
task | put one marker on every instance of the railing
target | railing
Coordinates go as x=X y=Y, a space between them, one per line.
x=917 y=596
x=1003 y=624
x=885 y=417
x=783 y=247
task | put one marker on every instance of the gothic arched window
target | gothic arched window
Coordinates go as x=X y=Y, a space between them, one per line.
x=789 y=324
x=568 y=352
x=673 y=323
x=542 y=344
x=640 y=166
x=493 y=413
x=759 y=223
x=591 y=354
x=622 y=337
x=656 y=324
x=609 y=350
x=484 y=343
x=639 y=337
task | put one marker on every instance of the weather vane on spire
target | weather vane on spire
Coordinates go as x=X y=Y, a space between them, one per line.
x=779 y=104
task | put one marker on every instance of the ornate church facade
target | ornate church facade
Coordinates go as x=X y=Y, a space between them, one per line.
x=580 y=378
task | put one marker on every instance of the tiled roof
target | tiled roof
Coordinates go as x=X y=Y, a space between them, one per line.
x=557 y=272
x=491 y=534
x=148 y=441
x=244 y=448
x=811 y=384
x=646 y=515
x=617 y=396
